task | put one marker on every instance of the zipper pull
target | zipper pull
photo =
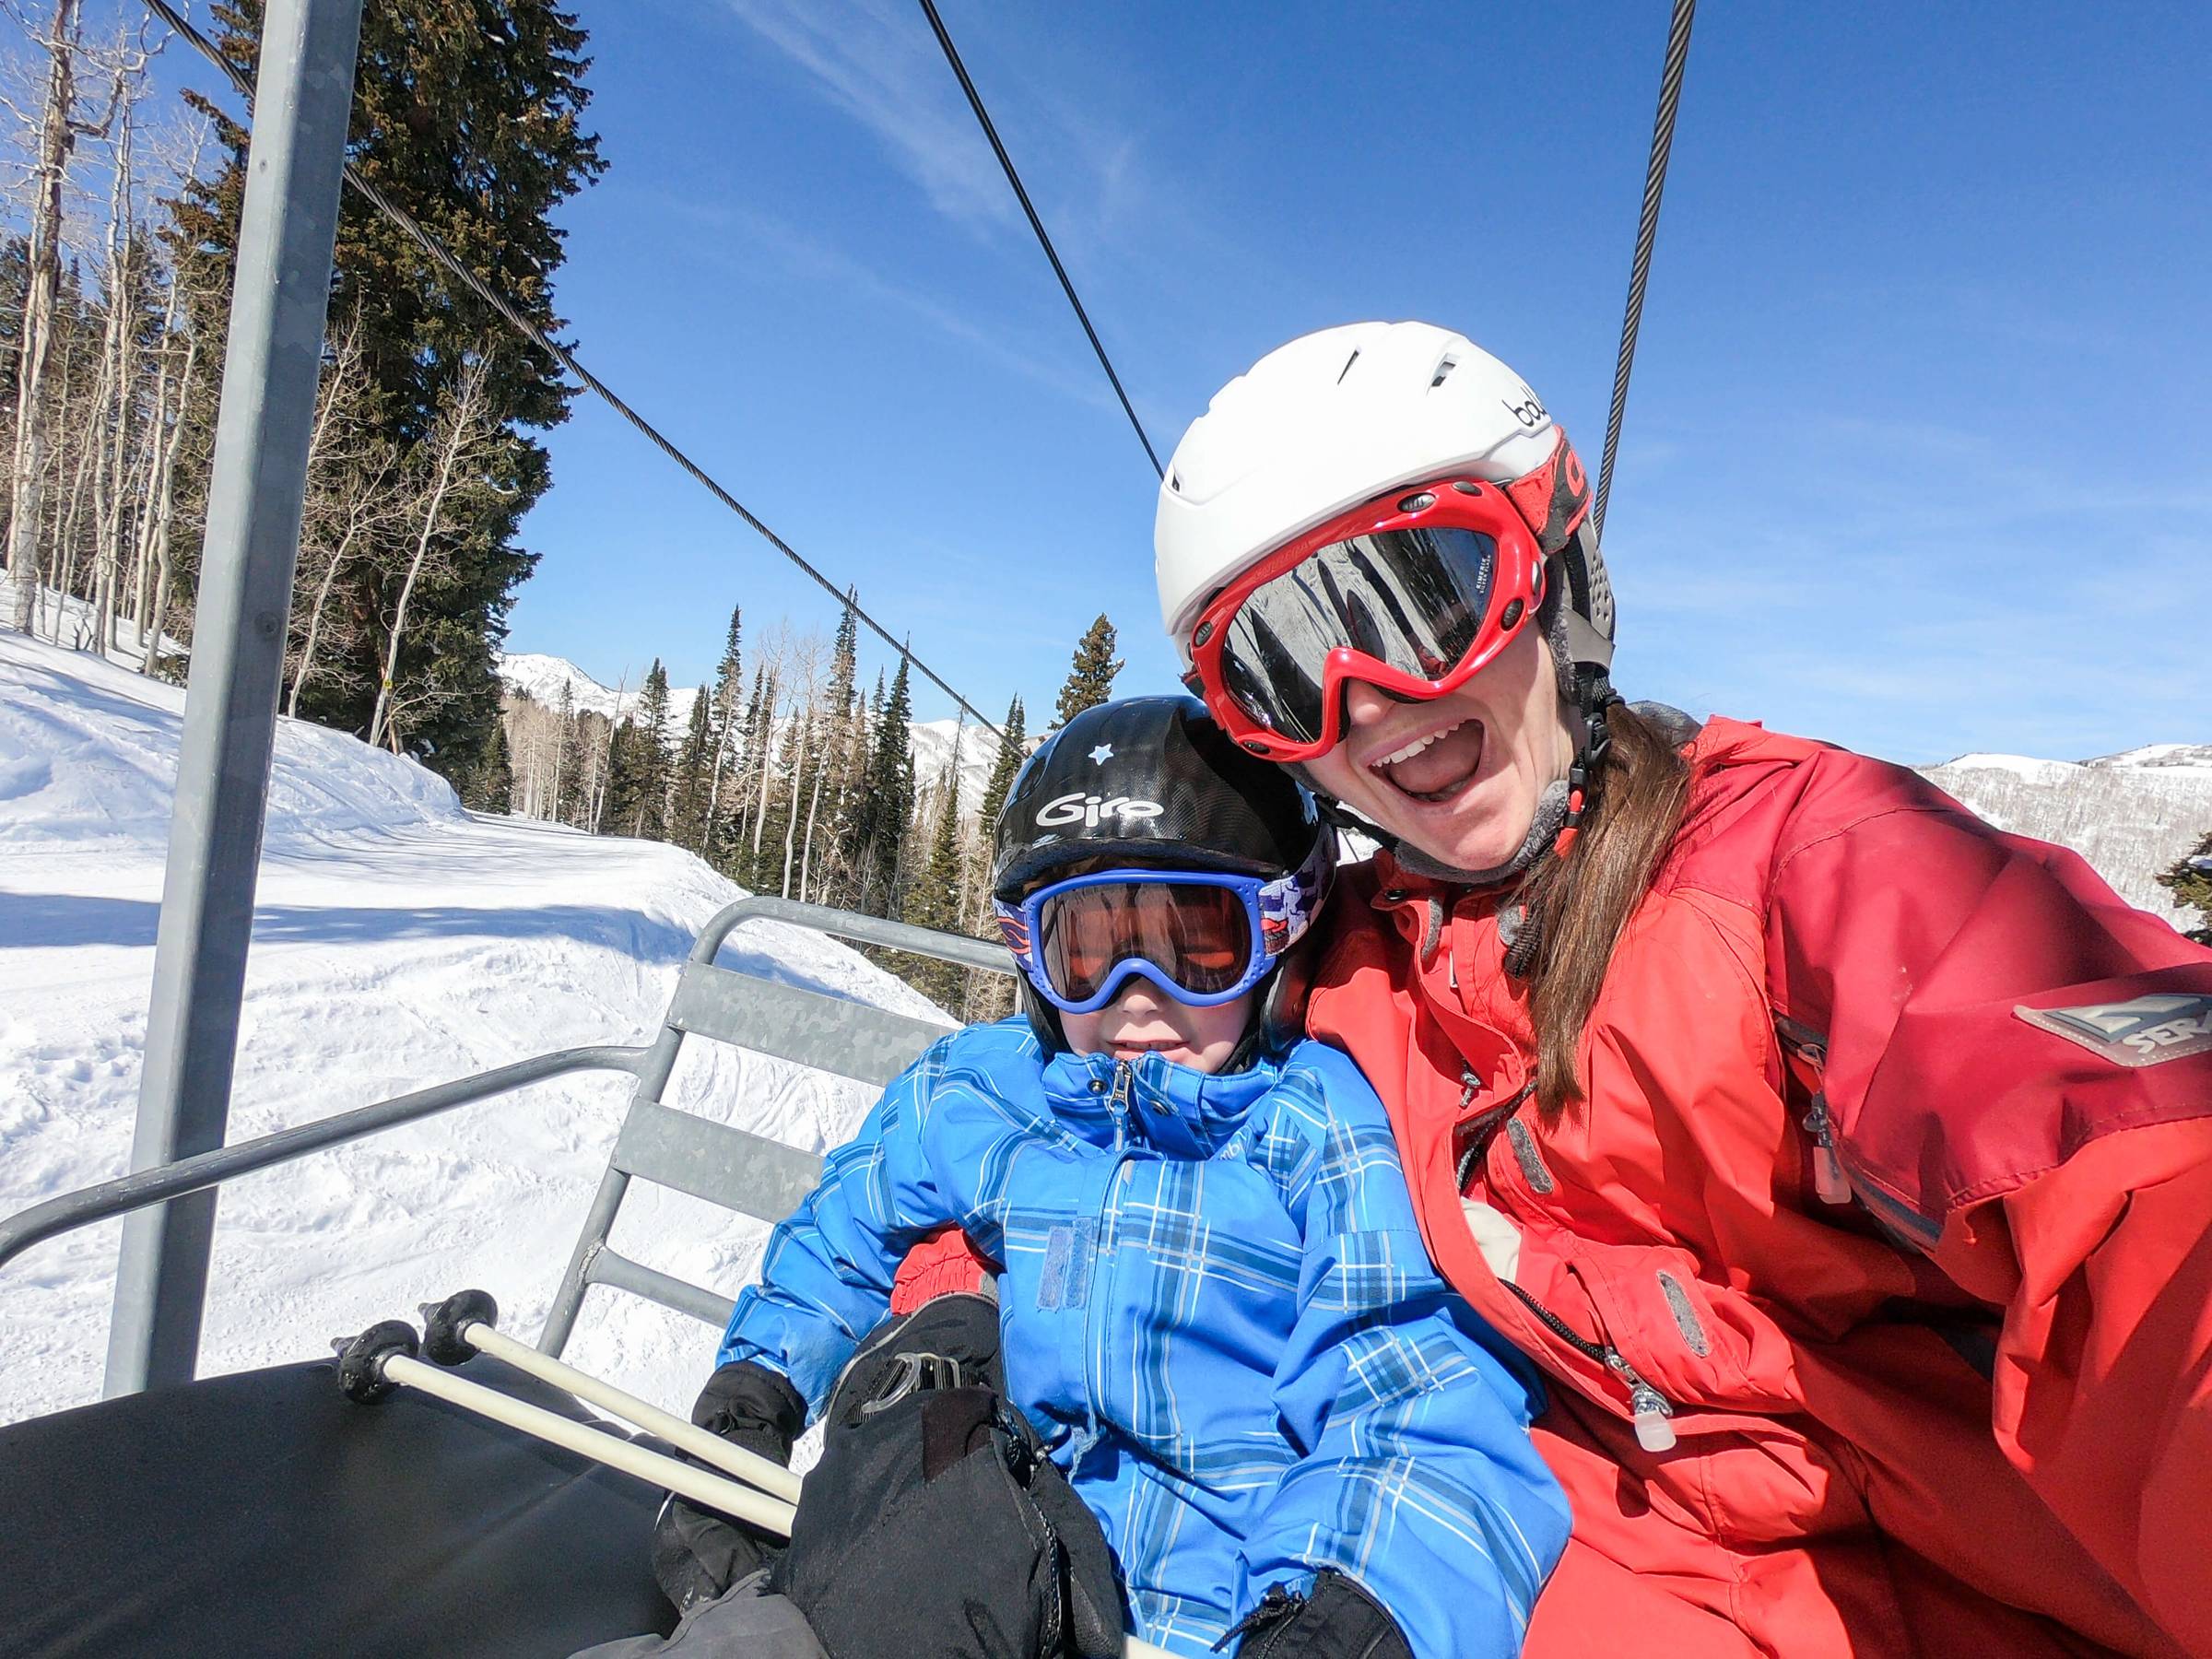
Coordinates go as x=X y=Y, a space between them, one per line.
x=1653 y=1431
x=1828 y=1181
x=1650 y=1409
x=1124 y=1079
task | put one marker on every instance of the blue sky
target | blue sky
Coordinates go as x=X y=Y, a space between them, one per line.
x=1916 y=458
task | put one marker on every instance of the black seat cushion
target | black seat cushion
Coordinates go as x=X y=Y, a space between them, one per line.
x=265 y=1513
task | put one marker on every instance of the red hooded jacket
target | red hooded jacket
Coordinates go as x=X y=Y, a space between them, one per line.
x=1961 y=1403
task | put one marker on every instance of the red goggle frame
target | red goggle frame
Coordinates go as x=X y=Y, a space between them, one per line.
x=1529 y=519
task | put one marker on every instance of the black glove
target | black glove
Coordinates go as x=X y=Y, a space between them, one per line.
x=934 y=1523
x=697 y=1554
x=1336 y=1619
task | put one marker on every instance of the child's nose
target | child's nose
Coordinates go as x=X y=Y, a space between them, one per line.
x=1139 y=997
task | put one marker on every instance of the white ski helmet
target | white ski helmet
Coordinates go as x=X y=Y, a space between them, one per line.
x=1338 y=418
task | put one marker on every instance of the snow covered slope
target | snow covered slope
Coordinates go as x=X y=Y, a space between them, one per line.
x=540 y=678
x=2131 y=815
x=399 y=941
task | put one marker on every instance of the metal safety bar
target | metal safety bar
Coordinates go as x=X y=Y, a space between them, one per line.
x=207 y=1170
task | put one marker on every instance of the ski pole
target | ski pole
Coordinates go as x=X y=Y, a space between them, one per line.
x=382 y=1356
x=466 y=1323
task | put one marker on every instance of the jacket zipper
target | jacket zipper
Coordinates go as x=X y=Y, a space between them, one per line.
x=1117 y=1106
x=1829 y=1182
x=1649 y=1409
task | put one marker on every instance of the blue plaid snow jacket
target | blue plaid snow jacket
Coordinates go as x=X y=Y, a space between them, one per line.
x=1216 y=1310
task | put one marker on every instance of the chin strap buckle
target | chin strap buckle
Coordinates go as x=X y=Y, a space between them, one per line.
x=1597 y=740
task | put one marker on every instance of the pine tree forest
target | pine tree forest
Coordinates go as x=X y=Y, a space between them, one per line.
x=790 y=778
x=790 y=771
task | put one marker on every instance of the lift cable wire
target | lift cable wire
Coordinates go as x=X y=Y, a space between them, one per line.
x=975 y=102
x=530 y=331
x=1647 y=232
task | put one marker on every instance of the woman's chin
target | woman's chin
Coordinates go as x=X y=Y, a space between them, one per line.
x=1471 y=833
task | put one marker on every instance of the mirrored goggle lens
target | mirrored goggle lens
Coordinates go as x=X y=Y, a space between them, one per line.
x=1197 y=935
x=1412 y=599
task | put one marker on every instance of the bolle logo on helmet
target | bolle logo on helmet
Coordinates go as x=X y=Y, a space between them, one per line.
x=1530 y=411
x=1089 y=810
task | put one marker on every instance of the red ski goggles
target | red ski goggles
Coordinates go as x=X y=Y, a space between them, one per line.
x=1415 y=594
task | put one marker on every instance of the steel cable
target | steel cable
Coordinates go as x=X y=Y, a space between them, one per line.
x=1647 y=233
x=537 y=337
x=975 y=102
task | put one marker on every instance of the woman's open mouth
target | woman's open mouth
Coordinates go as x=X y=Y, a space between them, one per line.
x=1435 y=768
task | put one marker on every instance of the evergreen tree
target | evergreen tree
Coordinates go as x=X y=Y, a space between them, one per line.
x=573 y=769
x=844 y=739
x=1011 y=754
x=638 y=774
x=1090 y=677
x=859 y=828
x=729 y=690
x=889 y=800
x=491 y=787
x=2190 y=881
x=468 y=116
x=694 y=777
x=934 y=898
x=989 y=996
x=736 y=842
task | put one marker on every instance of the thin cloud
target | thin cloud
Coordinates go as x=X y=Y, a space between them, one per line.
x=873 y=61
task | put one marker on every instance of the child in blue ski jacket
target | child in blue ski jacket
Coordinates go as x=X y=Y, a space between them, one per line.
x=1214 y=1305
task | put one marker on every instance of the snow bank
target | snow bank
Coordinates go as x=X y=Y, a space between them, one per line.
x=398 y=941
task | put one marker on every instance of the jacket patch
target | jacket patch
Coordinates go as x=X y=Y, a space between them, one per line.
x=1532 y=1160
x=2146 y=1031
x=1066 y=1281
x=1686 y=1315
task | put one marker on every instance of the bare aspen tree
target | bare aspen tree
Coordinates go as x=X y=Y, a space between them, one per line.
x=58 y=131
x=456 y=442
x=110 y=432
x=164 y=436
x=357 y=499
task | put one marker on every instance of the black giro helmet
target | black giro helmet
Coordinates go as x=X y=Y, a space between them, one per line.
x=1153 y=780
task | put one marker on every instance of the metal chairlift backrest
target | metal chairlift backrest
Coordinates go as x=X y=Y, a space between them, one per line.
x=722 y=1164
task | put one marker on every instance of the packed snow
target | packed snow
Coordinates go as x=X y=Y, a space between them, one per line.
x=399 y=941
x=541 y=678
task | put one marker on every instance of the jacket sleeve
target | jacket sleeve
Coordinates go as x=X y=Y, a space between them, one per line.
x=1415 y=1475
x=2018 y=1073
x=826 y=1277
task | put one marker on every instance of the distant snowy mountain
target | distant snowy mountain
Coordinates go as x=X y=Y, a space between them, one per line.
x=540 y=678
x=2131 y=815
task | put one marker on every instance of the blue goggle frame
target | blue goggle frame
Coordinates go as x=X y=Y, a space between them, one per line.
x=1278 y=911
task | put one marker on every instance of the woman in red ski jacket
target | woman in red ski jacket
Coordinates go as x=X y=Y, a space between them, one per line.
x=1846 y=1164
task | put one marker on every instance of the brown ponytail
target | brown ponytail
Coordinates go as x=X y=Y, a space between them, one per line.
x=1579 y=905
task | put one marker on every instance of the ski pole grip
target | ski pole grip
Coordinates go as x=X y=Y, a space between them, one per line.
x=361 y=1359
x=445 y=1325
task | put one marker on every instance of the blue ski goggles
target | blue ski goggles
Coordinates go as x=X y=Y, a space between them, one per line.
x=1204 y=937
